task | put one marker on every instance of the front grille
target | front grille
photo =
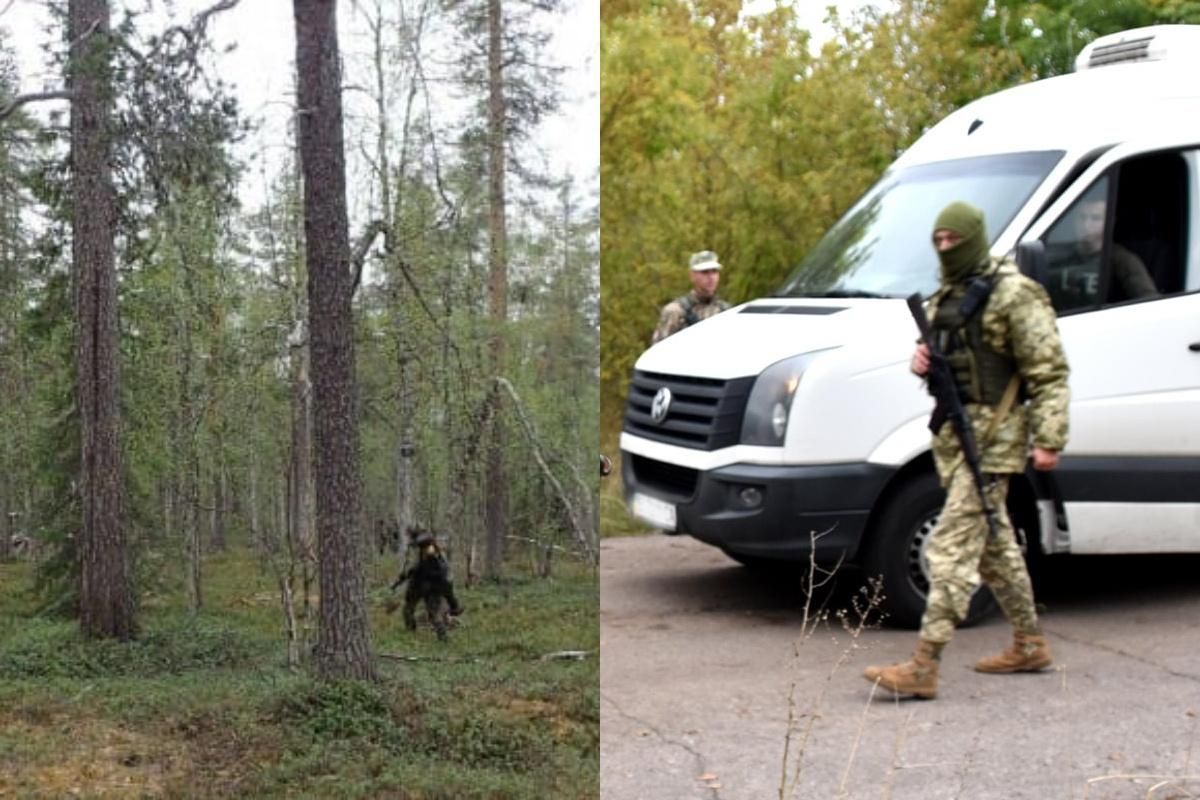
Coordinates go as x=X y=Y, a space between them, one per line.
x=705 y=414
x=669 y=479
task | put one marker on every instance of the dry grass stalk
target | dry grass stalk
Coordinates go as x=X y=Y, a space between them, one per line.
x=871 y=597
x=1163 y=780
x=897 y=749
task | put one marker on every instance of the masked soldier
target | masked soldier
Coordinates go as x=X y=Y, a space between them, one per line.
x=698 y=304
x=1001 y=346
x=428 y=581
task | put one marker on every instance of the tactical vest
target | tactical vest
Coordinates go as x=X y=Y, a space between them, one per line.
x=980 y=373
x=433 y=566
x=688 y=303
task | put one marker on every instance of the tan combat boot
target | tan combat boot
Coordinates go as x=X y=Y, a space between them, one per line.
x=917 y=677
x=1028 y=653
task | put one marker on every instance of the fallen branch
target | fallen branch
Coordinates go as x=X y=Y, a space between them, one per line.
x=540 y=543
x=412 y=658
x=558 y=655
x=572 y=655
x=582 y=535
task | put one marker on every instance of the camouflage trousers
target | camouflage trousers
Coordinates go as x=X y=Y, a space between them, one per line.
x=961 y=553
x=431 y=594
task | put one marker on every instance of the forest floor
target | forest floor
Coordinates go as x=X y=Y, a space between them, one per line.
x=206 y=706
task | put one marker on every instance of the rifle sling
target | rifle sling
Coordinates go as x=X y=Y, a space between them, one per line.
x=1005 y=405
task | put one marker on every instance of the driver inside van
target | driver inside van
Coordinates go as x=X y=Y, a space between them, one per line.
x=1075 y=278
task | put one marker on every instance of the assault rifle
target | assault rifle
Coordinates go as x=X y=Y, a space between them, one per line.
x=949 y=406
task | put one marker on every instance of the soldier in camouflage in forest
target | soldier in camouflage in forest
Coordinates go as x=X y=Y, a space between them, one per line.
x=1008 y=349
x=428 y=582
x=698 y=304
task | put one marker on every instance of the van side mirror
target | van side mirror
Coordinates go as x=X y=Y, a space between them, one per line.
x=1031 y=260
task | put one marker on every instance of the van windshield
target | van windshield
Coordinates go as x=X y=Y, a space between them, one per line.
x=882 y=246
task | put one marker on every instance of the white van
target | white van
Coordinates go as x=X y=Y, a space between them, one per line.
x=791 y=424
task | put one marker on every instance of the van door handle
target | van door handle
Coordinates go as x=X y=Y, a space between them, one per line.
x=1194 y=347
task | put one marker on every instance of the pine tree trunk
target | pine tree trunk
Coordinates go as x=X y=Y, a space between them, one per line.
x=497 y=483
x=302 y=535
x=343 y=636
x=189 y=525
x=217 y=541
x=6 y=522
x=167 y=493
x=256 y=535
x=106 y=590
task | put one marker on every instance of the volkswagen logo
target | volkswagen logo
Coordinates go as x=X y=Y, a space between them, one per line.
x=660 y=406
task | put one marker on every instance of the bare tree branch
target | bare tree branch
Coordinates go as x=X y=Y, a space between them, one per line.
x=363 y=247
x=56 y=94
x=583 y=536
x=33 y=97
x=83 y=36
x=195 y=30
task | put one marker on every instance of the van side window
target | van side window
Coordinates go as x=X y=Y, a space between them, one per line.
x=1135 y=253
x=1074 y=246
x=1151 y=220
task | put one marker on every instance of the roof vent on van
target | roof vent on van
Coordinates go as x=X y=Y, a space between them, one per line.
x=1153 y=43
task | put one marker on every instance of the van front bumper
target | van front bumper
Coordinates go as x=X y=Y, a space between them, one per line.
x=766 y=511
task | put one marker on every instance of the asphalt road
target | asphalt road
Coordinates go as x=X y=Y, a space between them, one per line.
x=699 y=657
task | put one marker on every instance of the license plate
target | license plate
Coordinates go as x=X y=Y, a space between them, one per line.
x=653 y=511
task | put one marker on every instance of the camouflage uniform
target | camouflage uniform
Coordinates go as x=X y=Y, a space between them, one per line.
x=684 y=311
x=428 y=582
x=1018 y=321
x=997 y=332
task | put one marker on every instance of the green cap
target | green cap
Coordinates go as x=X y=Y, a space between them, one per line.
x=417 y=535
x=703 y=261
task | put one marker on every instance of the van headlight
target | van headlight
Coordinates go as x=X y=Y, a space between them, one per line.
x=770 y=403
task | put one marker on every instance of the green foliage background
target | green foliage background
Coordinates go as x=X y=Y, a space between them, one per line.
x=728 y=132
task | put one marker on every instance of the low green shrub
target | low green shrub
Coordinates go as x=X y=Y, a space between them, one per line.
x=46 y=648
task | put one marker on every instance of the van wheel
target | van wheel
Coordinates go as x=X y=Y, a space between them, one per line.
x=896 y=553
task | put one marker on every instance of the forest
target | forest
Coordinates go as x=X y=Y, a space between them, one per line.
x=738 y=133
x=231 y=381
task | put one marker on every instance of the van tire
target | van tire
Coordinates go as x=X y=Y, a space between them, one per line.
x=894 y=553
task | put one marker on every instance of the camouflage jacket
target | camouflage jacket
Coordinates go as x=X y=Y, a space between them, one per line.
x=1018 y=321
x=683 y=311
x=431 y=568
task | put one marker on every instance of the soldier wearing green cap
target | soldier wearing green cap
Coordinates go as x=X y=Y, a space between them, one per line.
x=1010 y=371
x=700 y=303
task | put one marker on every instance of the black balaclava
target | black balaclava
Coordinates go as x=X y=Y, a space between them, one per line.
x=970 y=256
